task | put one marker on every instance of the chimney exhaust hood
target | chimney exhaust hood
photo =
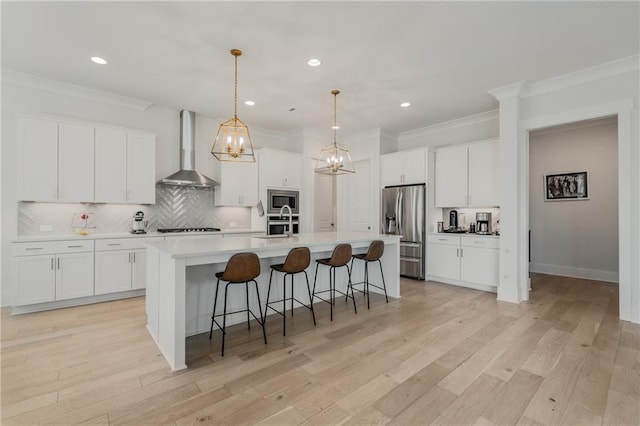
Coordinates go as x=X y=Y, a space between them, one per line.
x=187 y=175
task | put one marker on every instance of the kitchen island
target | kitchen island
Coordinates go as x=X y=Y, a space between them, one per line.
x=181 y=280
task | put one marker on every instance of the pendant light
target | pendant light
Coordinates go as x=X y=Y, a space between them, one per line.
x=233 y=142
x=334 y=159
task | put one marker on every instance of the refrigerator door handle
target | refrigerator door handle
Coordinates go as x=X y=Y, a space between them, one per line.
x=400 y=213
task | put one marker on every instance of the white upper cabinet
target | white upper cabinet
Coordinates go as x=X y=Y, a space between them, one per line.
x=468 y=175
x=70 y=162
x=238 y=185
x=280 y=169
x=56 y=161
x=403 y=168
x=484 y=174
x=75 y=163
x=37 y=160
x=125 y=166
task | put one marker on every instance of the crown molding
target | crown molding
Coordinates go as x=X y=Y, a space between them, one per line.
x=575 y=125
x=452 y=124
x=66 y=89
x=509 y=91
x=608 y=69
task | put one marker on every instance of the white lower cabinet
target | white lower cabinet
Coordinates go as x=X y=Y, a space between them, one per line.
x=50 y=271
x=470 y=261
x=120 y=264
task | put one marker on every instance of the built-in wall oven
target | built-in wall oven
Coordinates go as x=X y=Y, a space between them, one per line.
x=279 y=225
x=277 y=198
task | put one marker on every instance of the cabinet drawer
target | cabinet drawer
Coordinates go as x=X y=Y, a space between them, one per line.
x=50 y=247
x=486 y=242
x=123 y=243
x=451 y=240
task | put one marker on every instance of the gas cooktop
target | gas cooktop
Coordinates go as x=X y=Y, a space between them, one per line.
x=166 y=230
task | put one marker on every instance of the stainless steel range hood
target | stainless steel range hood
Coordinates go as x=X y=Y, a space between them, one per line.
x=187 y=175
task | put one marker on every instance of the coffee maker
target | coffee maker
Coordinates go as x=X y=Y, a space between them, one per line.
x=483 y=223
x=453 y=220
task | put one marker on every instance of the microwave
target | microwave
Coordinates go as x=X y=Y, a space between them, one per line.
x=278 y=198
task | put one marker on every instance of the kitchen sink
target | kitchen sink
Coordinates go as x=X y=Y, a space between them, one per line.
x=270 y=237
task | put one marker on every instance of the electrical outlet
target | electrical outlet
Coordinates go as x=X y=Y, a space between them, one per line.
x=46 y=228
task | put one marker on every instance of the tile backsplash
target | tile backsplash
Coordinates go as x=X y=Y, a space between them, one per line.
x=175 y=207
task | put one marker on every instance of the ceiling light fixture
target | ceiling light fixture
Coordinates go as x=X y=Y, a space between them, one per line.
x=314 y=62
x=250 y=103
x=99 y=60
x=405 y=104
x=233 y=142
x=334 y=159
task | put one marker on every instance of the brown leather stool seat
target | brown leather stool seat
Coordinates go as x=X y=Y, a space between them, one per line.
x=339 y=258
x=241 y=268
x=375 y=252
x=297 y=261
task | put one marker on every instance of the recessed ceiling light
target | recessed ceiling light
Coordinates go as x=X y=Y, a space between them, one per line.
x=313 y=62
x=405 y=104
x=250 y=103
x=99 y=60
x=335 y=127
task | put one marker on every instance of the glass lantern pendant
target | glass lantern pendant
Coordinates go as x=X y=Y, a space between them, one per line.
x=334 y=159
x=233 y=142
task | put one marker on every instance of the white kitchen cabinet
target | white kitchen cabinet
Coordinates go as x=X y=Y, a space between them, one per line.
x=120 y=264
x=49 y=271
x=403 y=168
x=55 y=161
x=124 y=166
x=469 y=261
x=280 y=169
x=468 y=175
x=238 y=185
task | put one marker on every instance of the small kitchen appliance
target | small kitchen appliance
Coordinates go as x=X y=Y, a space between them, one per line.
x=138 y=223
x=453 y=219
x=483 y=223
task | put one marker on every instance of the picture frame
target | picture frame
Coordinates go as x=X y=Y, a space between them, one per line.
x=569 y=186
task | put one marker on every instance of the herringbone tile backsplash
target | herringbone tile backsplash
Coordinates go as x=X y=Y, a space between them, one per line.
x=176 y=207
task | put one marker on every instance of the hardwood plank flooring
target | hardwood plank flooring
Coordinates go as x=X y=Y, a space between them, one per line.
x=441 y=355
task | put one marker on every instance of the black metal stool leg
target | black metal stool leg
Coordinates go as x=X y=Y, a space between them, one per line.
x=262 y=317
x=224 y=317
x=246 y=285
x=310 y=298
x=366 y=282
x=315 y=278
x=384 y=285
x=332 y=288
x=284 y=305
x=350 y=285
x=213 y=314
x=292 y=296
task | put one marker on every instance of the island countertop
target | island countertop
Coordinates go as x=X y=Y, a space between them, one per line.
x=181 y=278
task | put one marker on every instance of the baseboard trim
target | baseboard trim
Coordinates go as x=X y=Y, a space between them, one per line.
x=47 y=306
x=475 y=286
x=574 y=272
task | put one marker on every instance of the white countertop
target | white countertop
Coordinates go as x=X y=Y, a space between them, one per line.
x=98 y=236
x=466 y=234
x=207 y=247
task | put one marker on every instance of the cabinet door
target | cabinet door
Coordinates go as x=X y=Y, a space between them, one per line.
x=139 y=269
x=390 y=170
x=113 y=271
x=34 y=279
x=141 y=168
x=292 y=170
x=110 y=165
x=414 y=167
x=451 y=177
x=443 y=261
x=75 y=163
x=484 y=175
x=238 y=185
x=37 y=160
x=479 y=265
x=74 y=275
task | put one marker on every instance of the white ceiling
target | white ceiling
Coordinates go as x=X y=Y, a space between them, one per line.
x=442 y=57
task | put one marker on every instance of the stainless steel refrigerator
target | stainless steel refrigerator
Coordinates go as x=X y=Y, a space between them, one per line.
x=403 y=213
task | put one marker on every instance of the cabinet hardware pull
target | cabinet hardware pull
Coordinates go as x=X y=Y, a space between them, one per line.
x=129 y=257
x=35 y=248
x=461 y=252
x=74 y=246
x=442 y=239
x=58 y=263
x=134 y=257
x=114 y=244
x=457 y=252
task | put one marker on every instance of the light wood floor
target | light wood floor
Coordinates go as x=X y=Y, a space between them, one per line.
x=440 y=355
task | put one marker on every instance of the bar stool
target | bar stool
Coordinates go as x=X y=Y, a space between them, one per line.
x=339 y=258
x=296 y=262
x=241 y=268
x=375 y=252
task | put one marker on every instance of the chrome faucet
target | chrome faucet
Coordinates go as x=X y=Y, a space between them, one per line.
x=289 y=232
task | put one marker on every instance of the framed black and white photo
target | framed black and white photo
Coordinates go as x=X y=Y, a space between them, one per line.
x=566 y=186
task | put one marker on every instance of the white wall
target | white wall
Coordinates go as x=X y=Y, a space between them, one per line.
x=575 y=238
